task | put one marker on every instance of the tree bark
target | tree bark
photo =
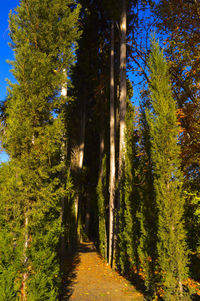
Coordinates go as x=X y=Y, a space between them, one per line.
x=122 y=114
x=82 y=136
x=102 y=176
x=123 y=94
x=123 y=89
x=80 y=166
x=25 y=275
x=63 y=158
x=112 y=150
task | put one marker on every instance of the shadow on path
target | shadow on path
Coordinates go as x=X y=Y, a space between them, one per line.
x=86 y=277
x=86 y=248
x=69 y=269
x=69 y=274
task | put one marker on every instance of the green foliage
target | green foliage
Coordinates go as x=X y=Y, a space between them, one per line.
x=70 y=231
x=101 y=199
x=193 y=218
x=9 y=286
x=147 y=213
x=37 y=182
x=192 y=221
x=10 y=233
x=126 y=255
x=45 y=232
x=43 y=37
x=162 y=120
x=125 y=240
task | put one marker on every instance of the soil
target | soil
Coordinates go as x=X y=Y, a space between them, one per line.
x=89 y=278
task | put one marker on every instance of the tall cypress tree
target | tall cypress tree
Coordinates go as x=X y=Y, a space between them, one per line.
x=42 y=33
x=165 y=151
x=147 y=212
x=126 y=245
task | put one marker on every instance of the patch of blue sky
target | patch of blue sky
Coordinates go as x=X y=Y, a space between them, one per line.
x=6 y=53
x=3 y=157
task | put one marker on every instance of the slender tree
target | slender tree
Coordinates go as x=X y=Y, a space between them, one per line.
x=123 y=88
x=126 y=246
x=165 y=152
x=179 y=24
x=42 y=34
x=148 y=212
x=112 y=148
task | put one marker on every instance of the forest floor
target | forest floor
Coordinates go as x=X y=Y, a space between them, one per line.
x=88 y=278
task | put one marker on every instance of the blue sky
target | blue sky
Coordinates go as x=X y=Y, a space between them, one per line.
x=5 y=51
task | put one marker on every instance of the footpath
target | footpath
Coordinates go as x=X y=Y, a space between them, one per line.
x=88 y=278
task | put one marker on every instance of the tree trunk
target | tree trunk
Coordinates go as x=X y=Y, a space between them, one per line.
x=112 y=149
x=80 y=166
x=87 y=216
x=122 y=114
x=102 y=176
x=82 y=136
x=123 y=93
x=63 y=158
x=25 y=275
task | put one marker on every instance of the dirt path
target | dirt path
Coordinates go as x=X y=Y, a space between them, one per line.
x=88 y=278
